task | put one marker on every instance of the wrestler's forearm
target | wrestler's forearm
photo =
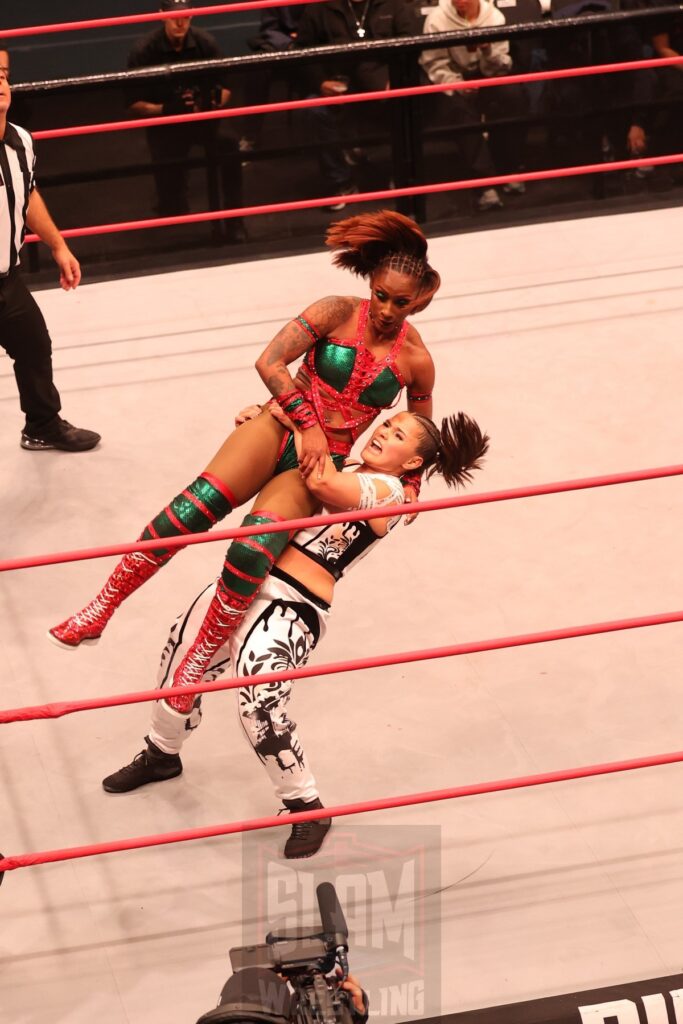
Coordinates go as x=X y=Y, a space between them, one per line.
x=287 y=345
x=295 y=338
x=277 y=379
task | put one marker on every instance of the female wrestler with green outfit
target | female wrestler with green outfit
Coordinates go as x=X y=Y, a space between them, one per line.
x=289 y=618
x=359 y=354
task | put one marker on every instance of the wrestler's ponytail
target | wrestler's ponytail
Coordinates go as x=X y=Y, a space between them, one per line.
x=369 y=241
x=454 y=451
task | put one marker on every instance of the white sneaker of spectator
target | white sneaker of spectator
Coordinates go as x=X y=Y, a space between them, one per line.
x=489 y=200
x=355 y=156
x=517 y=188
x=246 y=146
x=351 y=191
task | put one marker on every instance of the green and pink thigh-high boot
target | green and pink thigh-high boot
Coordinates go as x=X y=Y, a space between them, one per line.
x=247 y=563
x=205 y=502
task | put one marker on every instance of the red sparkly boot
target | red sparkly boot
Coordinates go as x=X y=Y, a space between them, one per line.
x=224 y=615
x=87 y=625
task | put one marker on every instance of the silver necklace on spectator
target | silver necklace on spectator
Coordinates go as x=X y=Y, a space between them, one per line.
x=360 y=24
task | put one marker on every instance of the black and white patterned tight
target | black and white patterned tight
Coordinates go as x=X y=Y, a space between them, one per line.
x=279 y=632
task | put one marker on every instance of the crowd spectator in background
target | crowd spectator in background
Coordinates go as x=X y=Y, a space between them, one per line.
x=669 y=87
x=23 y=333
x=336 y=23
x=4 y=59
x=635 y=44
x=638 y=132
x=502 y=152
x=177 y=42
x=278 y=31
x=599 y=117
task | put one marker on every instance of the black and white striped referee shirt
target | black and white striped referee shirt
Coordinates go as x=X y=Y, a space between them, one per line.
x=17 y=165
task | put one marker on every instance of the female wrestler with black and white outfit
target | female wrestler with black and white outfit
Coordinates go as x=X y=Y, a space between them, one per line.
x=289 y=617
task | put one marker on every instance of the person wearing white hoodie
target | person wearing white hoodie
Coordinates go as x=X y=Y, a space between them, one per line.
x=502 y=152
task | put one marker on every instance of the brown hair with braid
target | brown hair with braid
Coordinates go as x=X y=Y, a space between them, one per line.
x=370 y=241
x=454 y=451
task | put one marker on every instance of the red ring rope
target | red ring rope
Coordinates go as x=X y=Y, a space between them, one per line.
x=511 y=494
x=137 y=19
x=368 y=197
x=60 y=708
x=24 y=860
x=357 y=97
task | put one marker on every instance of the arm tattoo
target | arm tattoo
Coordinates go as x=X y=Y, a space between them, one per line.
x=287 y=344
x=293 y=341
x=328 y=313
x=279 y=383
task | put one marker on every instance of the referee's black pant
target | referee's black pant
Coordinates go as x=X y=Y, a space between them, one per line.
x=25 y=338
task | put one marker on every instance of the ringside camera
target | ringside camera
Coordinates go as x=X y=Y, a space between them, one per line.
x=259 y=989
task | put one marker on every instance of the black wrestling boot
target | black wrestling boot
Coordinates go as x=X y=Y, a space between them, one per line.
x=306 y=837
x=150 y=765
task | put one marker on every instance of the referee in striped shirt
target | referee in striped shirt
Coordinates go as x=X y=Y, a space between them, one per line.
x=23 y=333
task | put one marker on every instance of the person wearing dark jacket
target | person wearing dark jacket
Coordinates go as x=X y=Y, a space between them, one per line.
x=278 y=29
x=277 y=32
x=177 y=42
x=612 y=113
x=667 y=41
x=338 y=23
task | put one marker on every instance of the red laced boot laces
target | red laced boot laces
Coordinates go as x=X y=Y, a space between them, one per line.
x=224 y=615
x=87 y=625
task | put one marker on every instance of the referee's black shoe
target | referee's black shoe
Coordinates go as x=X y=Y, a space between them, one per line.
x=61 y=436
